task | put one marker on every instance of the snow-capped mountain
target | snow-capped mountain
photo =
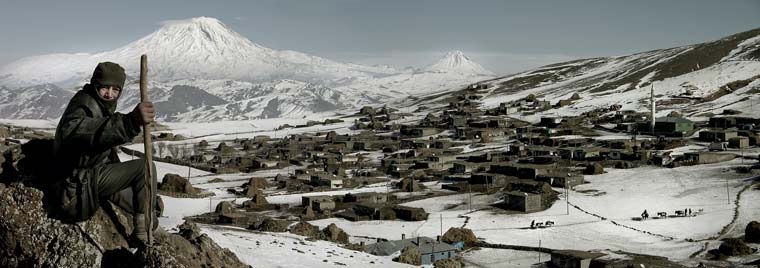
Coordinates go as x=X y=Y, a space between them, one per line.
x=695 y=80
x=201 y=70
x=457 y=62
x=199 y=47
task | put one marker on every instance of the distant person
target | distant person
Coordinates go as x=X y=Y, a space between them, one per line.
x=532 y=223
x=86 y=138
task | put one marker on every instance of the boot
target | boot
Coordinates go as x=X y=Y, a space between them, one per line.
x=139 y=235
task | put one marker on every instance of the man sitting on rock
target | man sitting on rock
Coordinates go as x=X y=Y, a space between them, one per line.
x=85 y=151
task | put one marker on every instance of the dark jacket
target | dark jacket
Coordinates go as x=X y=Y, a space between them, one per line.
x=85 y=141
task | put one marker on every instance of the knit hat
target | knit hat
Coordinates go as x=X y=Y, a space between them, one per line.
x=108 y=74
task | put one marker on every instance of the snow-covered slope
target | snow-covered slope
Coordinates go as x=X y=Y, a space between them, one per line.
x=692 y=80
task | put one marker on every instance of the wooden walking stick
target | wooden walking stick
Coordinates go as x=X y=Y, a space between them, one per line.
x=148 y=152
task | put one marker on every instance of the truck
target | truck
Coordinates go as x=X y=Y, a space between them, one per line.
x=718 y=146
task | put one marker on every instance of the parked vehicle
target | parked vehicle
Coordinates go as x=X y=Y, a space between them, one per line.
x=718 y=146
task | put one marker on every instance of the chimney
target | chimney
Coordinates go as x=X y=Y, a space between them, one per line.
x=361 y=243
x=418 y=240
x=403 y=236
x=438 y=238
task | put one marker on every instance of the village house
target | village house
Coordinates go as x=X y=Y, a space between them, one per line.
x=618 y=154
x=581 y=154
x=541 y=151
x=717 y=135
x=562 y=180
x=430 y=249
x=307 y=201
x=668 y=126
x=738 y=142
x=573 y=258
x=700 y=158
x=374 y=211
x=521 y=201
x=550 y=122
x=733 y=122
x=460 y=167
x=488 y=178
x=410 y=213
x=329 y=180
x=418 y=132
x=366 y=198
x=323 y=205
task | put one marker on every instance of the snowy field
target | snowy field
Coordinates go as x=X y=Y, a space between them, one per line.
x=502 y=258
x=262 y=249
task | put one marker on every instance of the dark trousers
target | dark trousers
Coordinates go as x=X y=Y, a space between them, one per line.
x=124 y=185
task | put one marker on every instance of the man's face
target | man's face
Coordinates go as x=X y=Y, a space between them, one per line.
x=109 y=93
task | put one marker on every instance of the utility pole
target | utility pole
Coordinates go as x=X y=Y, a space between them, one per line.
x=470 y=191
x=539 y=251
x=728 y=193
x=567 y=199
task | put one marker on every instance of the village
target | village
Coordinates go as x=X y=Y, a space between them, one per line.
x=457 y=149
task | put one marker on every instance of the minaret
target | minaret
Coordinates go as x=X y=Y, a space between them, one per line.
x=651 y=101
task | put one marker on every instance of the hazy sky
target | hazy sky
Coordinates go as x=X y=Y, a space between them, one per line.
x=503 y=36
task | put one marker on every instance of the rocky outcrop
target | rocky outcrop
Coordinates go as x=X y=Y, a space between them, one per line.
x=334 y=234
x=752 y=232
x=447 y=263
x=594 y=169
x=454 y=235
x=258 y=200
x=224 y=207
x=254 y=186
x=306 y=229
x=174 y=183
x=410 y=255
x=733 y=247
x=29 y=238
x=273 y=225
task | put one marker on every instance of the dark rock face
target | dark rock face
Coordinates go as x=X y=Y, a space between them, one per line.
x=752 y=232
x=28 y=238
x=454 y=235
x=176 y=184
x=334 y=234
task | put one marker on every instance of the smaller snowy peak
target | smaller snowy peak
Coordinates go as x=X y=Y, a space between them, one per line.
x=457 y=62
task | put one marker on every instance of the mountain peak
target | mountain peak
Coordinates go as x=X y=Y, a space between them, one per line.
x=199 y=22
x=456 y=62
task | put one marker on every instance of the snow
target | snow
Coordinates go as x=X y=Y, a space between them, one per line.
x=173 y=52
x=503 y=258
x=457 y=62
x=261 y=249
x=254 y=81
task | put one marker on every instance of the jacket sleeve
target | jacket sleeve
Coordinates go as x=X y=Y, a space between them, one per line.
x=80 y=128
